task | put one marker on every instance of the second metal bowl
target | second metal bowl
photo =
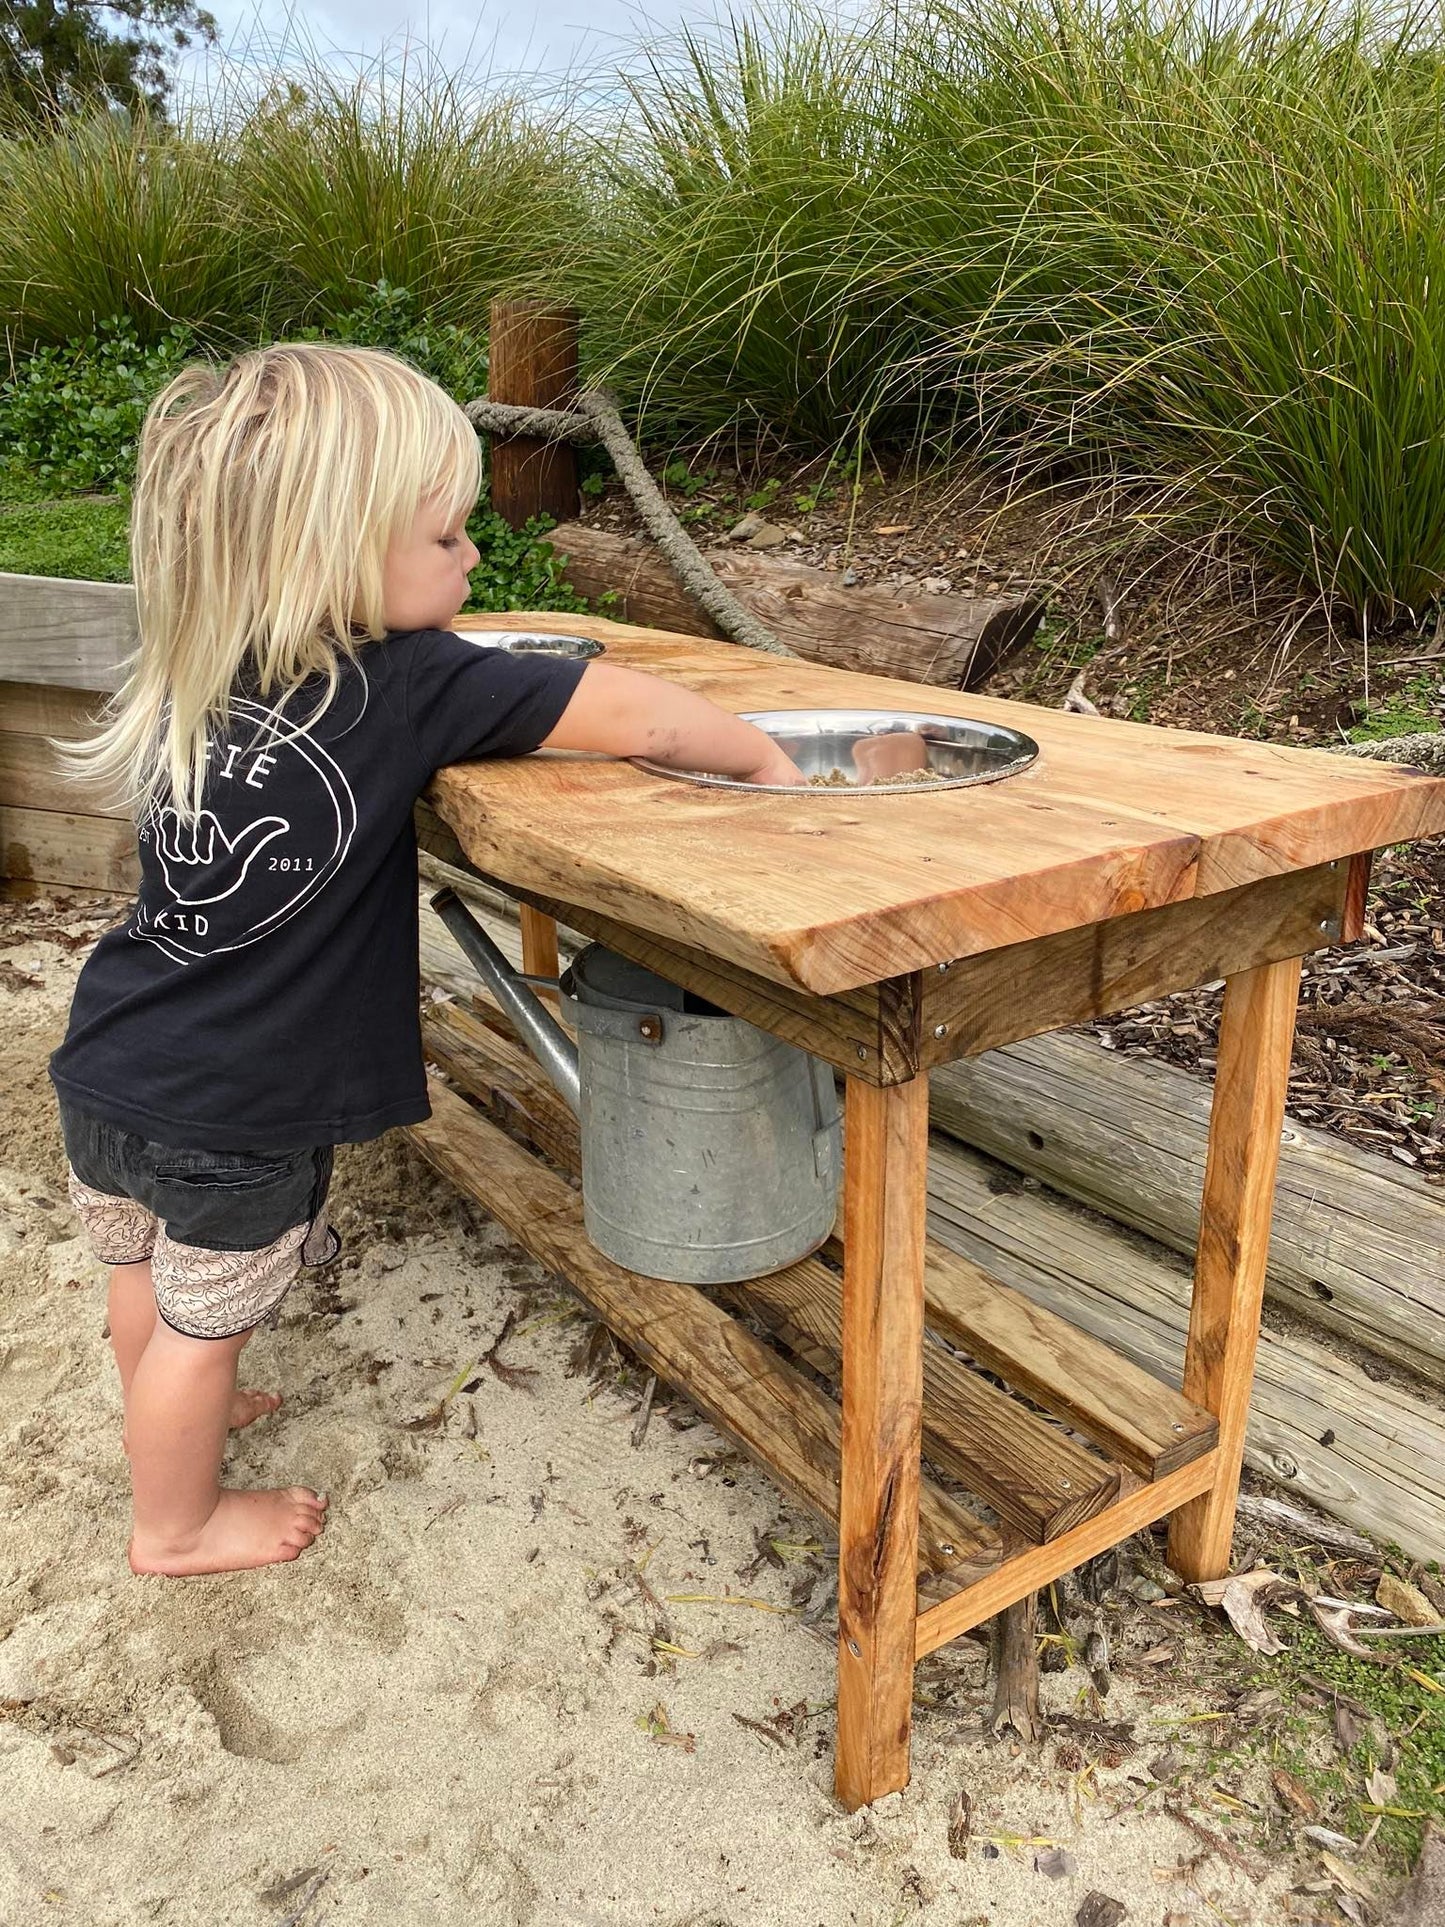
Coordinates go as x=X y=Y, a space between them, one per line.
x=878 y=752
x=526 y=642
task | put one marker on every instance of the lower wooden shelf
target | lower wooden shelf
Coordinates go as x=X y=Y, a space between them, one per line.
x=1057 y=1499
x=749 y=1391
x=1039 y=1480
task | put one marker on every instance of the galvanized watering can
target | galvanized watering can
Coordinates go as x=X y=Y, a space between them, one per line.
x=711 y=1152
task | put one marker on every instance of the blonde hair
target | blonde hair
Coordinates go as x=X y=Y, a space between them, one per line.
x=267 y=494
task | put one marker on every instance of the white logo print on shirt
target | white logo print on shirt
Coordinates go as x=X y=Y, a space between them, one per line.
x=189 y=856
x=237 y=874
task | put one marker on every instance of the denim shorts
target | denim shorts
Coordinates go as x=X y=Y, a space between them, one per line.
x=225 y=1231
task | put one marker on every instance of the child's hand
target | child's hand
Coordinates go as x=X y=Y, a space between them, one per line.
x=774 y=767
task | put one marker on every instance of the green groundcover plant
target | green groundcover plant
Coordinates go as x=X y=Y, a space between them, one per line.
x=70 y=416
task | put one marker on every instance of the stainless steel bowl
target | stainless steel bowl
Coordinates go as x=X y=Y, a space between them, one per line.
x=878 y=744
x=526 y=642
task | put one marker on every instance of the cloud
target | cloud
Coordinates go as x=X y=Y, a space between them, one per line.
x=521 y=38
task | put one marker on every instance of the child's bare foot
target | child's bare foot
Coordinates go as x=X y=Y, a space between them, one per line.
x=246 y=1529
x=247 y=1405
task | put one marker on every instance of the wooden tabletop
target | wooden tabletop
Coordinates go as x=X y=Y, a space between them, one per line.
x=829 y=891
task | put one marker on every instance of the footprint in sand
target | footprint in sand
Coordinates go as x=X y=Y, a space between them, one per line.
x=242 y=1728
x=254 y=1717
x=29 y=1374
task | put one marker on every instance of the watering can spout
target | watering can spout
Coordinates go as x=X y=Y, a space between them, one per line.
x=535 y=1025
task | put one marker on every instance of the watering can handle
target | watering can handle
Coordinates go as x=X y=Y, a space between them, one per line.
x=825 y=1094
x=826 y=1145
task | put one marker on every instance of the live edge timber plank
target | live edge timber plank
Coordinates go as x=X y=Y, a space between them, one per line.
x=831 y=894
x=745 y=1388
x=1039 y=1481
x=870 y=1033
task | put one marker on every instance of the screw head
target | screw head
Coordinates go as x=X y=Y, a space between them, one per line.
x=863 y=1050
x=855 y=1649
x=940 y=1030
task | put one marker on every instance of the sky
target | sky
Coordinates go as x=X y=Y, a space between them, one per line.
x=546 y=37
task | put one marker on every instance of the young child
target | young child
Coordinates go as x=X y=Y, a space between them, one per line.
x=299 y=549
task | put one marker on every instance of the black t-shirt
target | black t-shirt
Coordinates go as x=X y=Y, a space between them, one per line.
x=263 y=994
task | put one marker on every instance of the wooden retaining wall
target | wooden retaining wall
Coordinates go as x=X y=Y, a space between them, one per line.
x=60 y=657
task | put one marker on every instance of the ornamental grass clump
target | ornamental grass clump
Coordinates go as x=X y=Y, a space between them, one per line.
x=404 y=176
x=1218 y=299
x=272 y=208
x=117 y=217
x=729 y=275
x=1188 y=256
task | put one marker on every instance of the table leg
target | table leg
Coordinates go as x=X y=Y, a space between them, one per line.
x=1256 y=1037
x=540 y=956
x=885 y=1192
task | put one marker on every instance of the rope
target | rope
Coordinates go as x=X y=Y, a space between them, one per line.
x=1426 y=751
x=596 y=420
x=542 y=424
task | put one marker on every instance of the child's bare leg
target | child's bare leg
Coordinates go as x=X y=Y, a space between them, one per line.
x=177 y=1409
x=131 y=1314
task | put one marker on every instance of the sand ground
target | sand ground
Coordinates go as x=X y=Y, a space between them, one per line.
x=461 y=1705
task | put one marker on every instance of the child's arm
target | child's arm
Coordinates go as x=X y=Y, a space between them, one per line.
x=624 y=712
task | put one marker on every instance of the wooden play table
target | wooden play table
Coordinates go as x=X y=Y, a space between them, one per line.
x=890 y=934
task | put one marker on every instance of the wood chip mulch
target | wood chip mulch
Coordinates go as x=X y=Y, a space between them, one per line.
x=1369 y=1058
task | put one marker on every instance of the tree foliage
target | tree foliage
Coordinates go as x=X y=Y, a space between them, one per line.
x=57 y=55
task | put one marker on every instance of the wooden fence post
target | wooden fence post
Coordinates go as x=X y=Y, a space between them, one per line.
x=533 y=363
